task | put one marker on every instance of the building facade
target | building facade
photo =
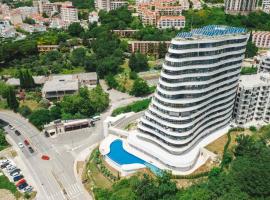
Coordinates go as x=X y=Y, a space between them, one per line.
x=176 y=22
x=252 y=106
x=145 y=47
x=194 y=98
x=69 y=14
x=265 y=63
x=240 y=6
x=261 y=39
x=108 y=5
x=266 y=6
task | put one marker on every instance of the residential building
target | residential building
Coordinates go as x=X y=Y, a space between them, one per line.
x=265 y=63
x=261 y=39
x=252 y=106
x=47 y=48
x=242 y=7
x=93 y=17
x=31 y=28
x=194 y=100
x=115 y=4
x=58 y=86
x=145 y=47
x=125 y=33
x=69 y=14
x=162 y=13
x=176 y=22
x=266 y=6
x=6 y=30
x=108 y=5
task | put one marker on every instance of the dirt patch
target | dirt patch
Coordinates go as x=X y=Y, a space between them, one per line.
x=6 y=195
x=80 y=165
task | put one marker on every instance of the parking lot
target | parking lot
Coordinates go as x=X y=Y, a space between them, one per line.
x=15 y=175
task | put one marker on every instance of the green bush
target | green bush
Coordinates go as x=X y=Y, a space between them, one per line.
x=25 y=111
x=252 y=128
x=136 y=106
x=248 y=70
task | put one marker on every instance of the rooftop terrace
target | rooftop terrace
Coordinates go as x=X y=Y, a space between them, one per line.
x=212 y=31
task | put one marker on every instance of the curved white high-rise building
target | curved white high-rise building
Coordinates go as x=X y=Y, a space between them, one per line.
x=265 y=64
x=194 y=98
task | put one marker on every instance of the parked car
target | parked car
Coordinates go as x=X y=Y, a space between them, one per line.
x=31 y=150
x=96 y=118
x=26 y=142
x=20 y=145
x=4 y=161
x=20 y=182
x=4 y=165
x=14 y=172
x=10 y=169
x=28 y=189
x=17 y=178
x=11 y=127
x=22 y=186
x=17 y=133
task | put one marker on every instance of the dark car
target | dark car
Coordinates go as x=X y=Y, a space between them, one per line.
x=14 y=171
x=23 y=185
x=17 y=178
x=31 y=150
x=4 y=165
x=17 y=132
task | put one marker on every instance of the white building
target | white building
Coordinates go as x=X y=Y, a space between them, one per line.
x=93 y=17
x=265 y=63
x=69 y=14
x=266 y=6
x=6 y=30
x=240 y=6
x=108 y=5
x=252 y=106
x=194 y=100
x=176 y=22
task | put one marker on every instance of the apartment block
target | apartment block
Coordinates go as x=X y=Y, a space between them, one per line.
x=162 y=14
x=252 y=106
x=242 y=7
x=265 y=63
x=266 y=6
x=69 y=14
x=145 y=47
x=176 y=22
x=261 y=39
x=194 y=100
x=108 y=5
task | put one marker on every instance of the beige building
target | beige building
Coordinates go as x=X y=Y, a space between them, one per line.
x=242 y=7
x=145 y=47
x=261 y=39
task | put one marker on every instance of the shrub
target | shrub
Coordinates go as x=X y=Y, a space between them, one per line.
x=136 y=106
x=25 y=111
x=252 y=128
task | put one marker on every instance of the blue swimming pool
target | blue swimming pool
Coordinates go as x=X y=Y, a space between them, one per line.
x=119 y=155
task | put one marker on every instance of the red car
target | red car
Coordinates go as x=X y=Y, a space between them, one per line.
x=26 y=142
x=20 y=182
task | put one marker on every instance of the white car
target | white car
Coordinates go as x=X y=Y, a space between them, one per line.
x=20 y=145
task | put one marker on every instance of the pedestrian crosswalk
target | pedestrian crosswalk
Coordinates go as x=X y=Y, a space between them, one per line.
x=73 y=192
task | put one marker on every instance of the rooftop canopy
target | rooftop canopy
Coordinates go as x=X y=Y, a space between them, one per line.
x=212 y=31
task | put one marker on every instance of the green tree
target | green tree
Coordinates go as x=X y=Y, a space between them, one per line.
x=99 y=99
x=111 y=81
x=75 y=29
x=40 y=117
x=251 y=49
x=11 y=99
x=25 y=111
x=55 y=112
x=26 y=79
x=78 y=56
x=140 y=88
x=162 y=50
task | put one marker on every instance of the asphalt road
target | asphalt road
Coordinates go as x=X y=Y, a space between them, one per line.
x=55 y=178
